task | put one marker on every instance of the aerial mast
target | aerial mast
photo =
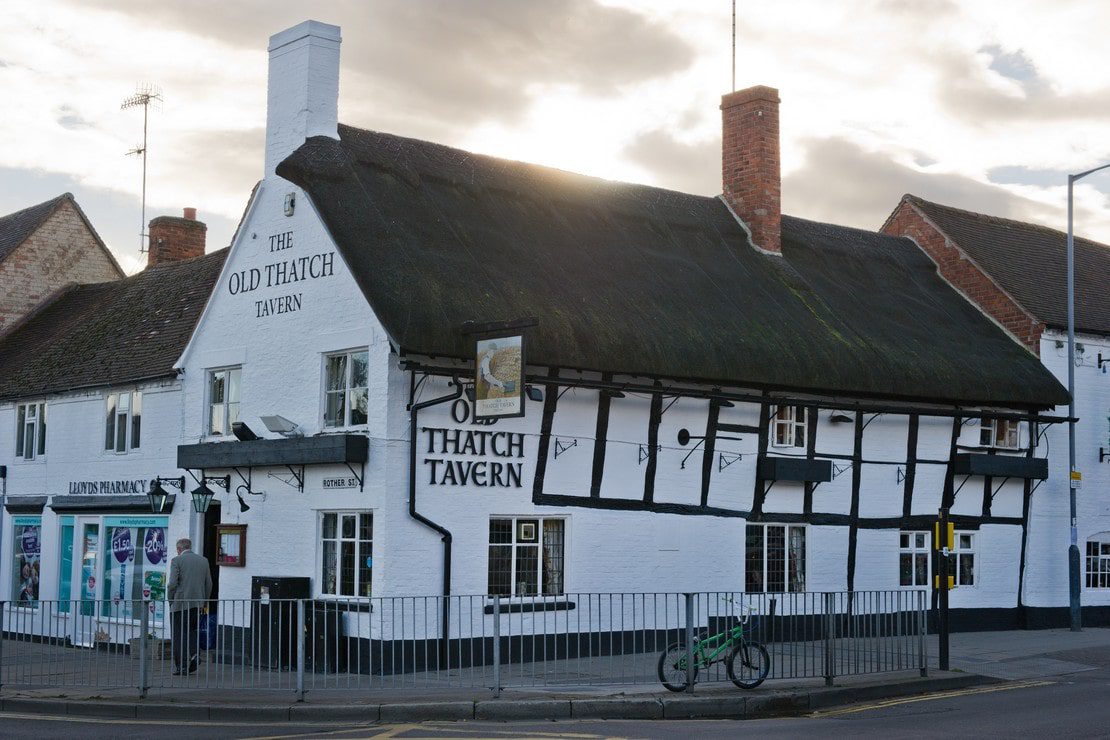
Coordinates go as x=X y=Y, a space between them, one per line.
x=145 y=96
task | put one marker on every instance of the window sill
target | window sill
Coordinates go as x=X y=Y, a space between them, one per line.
x=526 y=607
x=344 y=603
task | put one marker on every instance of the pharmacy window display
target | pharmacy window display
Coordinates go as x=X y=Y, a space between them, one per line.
x=133 y=565
x=27 y=544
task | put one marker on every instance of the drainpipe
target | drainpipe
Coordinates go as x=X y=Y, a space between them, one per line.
x=444 y=533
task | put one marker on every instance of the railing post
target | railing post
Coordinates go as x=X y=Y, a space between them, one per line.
x=689 y=642
x=497 y=646
x=3 y=637
x=922 y=629
x=144 y=629
x=301 y=649
x=830 y=663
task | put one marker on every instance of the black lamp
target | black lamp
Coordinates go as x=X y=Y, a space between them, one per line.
x=534 y=393
x=159 y=496
x=839 y=417
x=243 y=506
x=203 y=495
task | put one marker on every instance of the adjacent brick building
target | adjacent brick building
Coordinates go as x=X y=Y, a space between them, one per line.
x=45 y=248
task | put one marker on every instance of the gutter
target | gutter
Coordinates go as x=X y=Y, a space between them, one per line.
x=445 y=534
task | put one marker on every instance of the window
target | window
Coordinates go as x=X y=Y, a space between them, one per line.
x=345 y=389
x=134 y=565
x=30 y=430
x=775 y=558
x=1001 y=433
x=223 y=399
x=788 y=426
x=346 y=564
x=26 y=549
x=1098 y=561
x=124 y=420
x=526 y=557
x=964 y=559
x=913 y=559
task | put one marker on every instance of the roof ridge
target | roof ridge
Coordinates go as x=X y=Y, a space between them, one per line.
x=1002 y=220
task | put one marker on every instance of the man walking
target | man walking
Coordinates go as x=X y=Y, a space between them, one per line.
x=189 y=588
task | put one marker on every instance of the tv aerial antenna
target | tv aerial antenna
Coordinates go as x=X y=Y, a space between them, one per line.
x=145 y=96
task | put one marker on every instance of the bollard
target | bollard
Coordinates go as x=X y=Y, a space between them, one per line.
x=300 y=649
x=497 y=645
x=144 y=629
x=689 y=642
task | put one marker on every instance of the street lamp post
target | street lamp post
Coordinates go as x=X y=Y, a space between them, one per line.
x=1073 y=480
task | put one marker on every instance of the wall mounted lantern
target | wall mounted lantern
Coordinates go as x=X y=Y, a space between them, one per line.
x=159 y=496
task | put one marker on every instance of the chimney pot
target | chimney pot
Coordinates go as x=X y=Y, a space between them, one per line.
x=175 y=238
x=751 y=176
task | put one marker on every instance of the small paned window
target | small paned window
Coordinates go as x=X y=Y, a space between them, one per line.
x=964 y=558
x=345 y=389
x=1000 y=433
x=774 y=558
x=347 y=553
x=913 y=559
x=123 y=422
x=788 y=426
x=1098 y=561
x=223 y=399
x=526 y=557
x=30 y=430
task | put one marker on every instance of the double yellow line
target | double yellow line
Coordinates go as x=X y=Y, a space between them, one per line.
x=932 y=697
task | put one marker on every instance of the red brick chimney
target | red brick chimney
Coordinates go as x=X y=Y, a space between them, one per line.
x=173 y=238
x=750 y=162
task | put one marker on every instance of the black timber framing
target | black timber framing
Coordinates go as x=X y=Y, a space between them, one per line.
x=759 y=494
x=601 y=434
x=811 y=448
x=709 y=447
x=911 y=464
x=1026 y=497
x=655 y=418
x=550 y=401
x=319 y=450
x=853 y=517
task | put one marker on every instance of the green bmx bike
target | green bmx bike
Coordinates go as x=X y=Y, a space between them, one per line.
x=746 y=661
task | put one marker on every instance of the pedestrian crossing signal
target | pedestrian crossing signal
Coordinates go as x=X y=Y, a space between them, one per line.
x=949 y=541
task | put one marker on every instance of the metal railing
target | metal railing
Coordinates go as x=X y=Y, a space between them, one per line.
x=493 y=642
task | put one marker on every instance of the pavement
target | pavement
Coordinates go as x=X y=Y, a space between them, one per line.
x=979 y=661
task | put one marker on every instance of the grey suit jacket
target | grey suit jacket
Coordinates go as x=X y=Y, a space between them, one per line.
x=190 y=582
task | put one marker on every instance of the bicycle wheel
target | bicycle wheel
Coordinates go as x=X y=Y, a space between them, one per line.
x=672 y=667
x=748 y=665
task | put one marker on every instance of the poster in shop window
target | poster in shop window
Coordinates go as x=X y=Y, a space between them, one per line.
x=499 y=377
x=28 y=549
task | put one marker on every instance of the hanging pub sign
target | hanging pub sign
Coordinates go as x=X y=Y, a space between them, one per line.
x=499 y=377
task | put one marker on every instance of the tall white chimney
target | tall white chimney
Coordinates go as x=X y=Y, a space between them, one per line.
x=302 y=90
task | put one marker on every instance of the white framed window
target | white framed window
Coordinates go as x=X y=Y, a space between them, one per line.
x=30 y=430
x=1001 y=433
x=123 y=422
x=526 y=556
x=224 y=386
x=1098 y=561
x=345 y=388
x=914 y=551
x=788 y=426
x=775 y=558
x=963 y=559
x=346 y=553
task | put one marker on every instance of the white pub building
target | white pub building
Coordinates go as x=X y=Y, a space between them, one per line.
x=715 y=396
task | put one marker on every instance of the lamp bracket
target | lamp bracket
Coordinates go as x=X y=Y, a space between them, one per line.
x=178 y=483
x=724 y=459
x=1103 y=454
x=645 y=452
x=1103 y=360
x=561 y=446
x=995 y=492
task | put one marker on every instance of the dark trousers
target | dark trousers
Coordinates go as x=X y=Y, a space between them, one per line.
x=185 y=629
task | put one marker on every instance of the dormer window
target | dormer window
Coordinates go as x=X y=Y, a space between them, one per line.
x=788 y=426
x=123 y=422
x=1000 y=433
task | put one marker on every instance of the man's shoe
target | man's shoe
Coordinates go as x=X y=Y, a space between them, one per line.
x=177 y=671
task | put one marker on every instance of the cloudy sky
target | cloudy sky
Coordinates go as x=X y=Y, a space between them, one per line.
x=979 y=104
